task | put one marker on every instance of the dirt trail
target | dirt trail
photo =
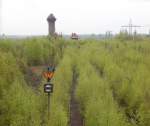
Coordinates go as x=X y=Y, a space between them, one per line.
x=75 y=116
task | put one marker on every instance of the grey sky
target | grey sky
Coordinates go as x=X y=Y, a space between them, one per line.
x=28 y=17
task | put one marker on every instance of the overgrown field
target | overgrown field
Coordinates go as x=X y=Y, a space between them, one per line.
x=113 y=82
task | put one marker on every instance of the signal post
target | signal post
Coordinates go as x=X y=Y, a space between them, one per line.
x=48 y=87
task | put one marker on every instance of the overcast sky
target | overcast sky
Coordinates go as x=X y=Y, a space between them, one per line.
x=28 y=17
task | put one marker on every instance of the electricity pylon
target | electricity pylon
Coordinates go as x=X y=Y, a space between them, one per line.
x=130 y=27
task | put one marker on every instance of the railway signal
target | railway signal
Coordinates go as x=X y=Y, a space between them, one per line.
x=49 y=73
x=48 y=87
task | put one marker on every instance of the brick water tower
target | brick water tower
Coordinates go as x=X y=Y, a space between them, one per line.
x=51 y=22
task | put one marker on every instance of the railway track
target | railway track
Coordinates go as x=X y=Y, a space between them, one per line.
x=75 y=117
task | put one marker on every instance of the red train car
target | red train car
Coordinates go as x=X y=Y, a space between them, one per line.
x=74 y=36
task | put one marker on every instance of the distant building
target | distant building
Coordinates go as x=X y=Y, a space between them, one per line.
x=51 y=22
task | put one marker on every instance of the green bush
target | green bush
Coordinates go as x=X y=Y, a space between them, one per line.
x=112 y=84
x=19 y=104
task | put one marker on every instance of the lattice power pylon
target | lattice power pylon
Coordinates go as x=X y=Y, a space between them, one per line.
x=130 y=26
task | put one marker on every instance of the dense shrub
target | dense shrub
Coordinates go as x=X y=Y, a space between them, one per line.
x=112 y=84
x=19 y=104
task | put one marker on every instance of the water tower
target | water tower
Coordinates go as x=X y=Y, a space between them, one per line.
x=51 y=22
